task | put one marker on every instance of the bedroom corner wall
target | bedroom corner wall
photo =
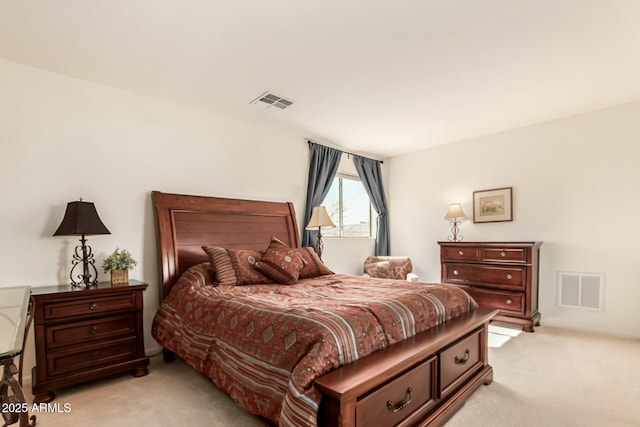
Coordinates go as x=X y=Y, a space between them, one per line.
x=575 y=187
x=64 y=138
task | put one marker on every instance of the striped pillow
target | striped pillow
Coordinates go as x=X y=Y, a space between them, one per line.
x=234 y=267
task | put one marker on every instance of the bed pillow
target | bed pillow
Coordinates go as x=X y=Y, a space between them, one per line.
x=313 y=266
x=280 y=263
x=234 y=267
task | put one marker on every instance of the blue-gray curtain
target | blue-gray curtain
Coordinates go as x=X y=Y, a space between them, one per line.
x=322 y=169
x=371 y=177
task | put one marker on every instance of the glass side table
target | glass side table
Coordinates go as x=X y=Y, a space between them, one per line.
x=15 y=318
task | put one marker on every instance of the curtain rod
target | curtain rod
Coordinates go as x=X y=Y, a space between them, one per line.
x=346 y=152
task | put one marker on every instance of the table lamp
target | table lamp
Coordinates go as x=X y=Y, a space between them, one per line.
x=81 y=219
x=320 y=218
x=455 y=215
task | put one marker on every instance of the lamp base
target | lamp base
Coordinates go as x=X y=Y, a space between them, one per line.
x=455 y=229
x=83 y=255
x=319 y=244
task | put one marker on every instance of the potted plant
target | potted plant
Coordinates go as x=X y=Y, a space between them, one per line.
x=119 y=263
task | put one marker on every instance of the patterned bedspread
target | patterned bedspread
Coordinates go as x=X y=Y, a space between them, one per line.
x=265 y=344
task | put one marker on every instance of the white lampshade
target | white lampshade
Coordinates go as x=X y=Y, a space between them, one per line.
x=455 y=211
x=320 y=218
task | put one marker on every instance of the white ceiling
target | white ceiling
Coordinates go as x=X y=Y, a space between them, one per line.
x=375 y=76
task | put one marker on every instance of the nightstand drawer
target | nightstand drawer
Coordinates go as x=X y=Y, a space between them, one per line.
x=483 y=275
x=458 y=361
x=397 y=399
x=90 y=330
x=89 y=306
x=86 y=357
x=512 y=302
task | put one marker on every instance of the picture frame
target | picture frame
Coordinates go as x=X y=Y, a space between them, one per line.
x=493 y=205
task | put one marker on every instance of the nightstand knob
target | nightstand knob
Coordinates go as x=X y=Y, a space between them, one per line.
x=503 y=253
x=455 y=272
x=509 y=302
x=460 y=252
x=93 y=306
x=509 y=276
x=94 y=329
x=94 y=354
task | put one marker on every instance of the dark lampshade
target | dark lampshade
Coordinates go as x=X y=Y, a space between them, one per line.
x=81 y=218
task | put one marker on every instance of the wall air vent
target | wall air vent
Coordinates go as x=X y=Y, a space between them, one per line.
x=580 y=290
x=269 y=100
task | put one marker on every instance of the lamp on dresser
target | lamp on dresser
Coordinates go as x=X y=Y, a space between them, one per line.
x=455 y=215
x=320 y=218
x=81 y=219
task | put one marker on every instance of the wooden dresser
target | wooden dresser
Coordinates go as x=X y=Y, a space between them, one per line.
x=502 y=275
x=85 y=334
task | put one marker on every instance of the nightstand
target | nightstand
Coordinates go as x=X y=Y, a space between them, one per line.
x=85 y=334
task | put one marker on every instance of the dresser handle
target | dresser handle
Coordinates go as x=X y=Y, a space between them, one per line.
x=94 y=354
x=509 y=302
x=503 y=253
x=401 y=405
x=464 y=360
x=509 y=276
x=94 y=329
x=460 y=252
x=455 y=272
x=93 y=306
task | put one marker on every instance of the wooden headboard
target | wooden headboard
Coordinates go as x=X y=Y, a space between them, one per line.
x=185 y=223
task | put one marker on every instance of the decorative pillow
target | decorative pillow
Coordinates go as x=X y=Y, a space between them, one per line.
x=280 y=263
x=388 y=267
x=234 y=267
x=313 y=266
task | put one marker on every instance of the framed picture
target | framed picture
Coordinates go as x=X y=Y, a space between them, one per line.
x=492 y=205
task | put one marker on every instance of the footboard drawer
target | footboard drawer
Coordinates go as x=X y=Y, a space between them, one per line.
x=459 y=361
x=396 y=400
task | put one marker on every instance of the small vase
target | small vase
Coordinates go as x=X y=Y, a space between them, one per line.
x=119 y=277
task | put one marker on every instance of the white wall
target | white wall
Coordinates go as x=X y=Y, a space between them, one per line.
x=575 y=186
x=62 y=138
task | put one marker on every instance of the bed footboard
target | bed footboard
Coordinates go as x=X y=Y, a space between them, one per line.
x=422 y=381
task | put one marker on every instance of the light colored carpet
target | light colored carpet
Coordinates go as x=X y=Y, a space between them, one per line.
x=552 y=377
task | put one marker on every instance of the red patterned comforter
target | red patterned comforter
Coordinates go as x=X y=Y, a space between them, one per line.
x=265 y=344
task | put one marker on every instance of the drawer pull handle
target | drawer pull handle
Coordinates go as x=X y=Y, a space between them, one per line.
x=94 y=329
x=464 y=360
x=460 y=252
x=93 y=306
x=455 y=272
x=509 y=302
x=94 y=354
x=509 y=276
x=400 y=406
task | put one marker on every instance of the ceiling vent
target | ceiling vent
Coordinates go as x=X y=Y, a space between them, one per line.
x=269 y=100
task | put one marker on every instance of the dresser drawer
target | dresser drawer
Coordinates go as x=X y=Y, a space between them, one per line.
x=88 y=306
x=504 y=254
x=76 y=360
x=460 y=253
x=397 y=399
x=511 y=302
x=459 y=361
x=90 y=330
x=483 y=275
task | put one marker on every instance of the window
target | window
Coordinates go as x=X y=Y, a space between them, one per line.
x=349 y=207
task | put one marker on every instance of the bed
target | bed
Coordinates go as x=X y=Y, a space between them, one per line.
x=329 y=349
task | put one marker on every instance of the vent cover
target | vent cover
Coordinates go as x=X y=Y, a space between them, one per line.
x=580 y=290
x=269 y=100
